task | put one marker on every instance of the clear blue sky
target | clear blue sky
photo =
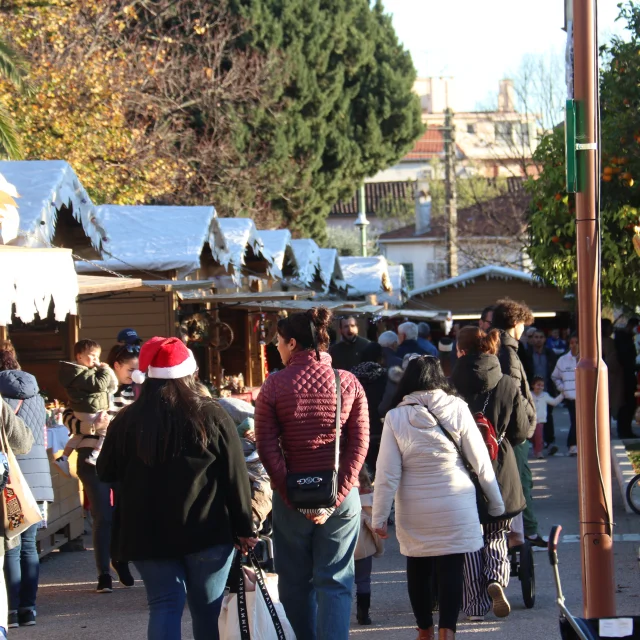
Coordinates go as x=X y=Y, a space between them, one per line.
x=478 y=43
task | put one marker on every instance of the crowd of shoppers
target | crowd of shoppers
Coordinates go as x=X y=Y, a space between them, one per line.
x=365 y=424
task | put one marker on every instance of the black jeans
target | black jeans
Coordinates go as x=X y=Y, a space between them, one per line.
x=99 y=494
x=449 y=572
x=571 y=407
x=549 y=431
x=625 y=414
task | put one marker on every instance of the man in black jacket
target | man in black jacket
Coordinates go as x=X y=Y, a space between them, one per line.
x=510 y=318
x=543 y=361
x=347 y=353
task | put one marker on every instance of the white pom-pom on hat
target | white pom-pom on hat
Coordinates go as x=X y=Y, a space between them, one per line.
x=138 y=377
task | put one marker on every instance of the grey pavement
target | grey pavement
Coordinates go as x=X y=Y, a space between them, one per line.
x=68 y=608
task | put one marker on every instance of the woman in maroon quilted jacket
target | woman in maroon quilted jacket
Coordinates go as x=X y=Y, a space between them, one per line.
x=295 y=423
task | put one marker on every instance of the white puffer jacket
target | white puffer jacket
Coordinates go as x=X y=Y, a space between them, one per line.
x=436 y=510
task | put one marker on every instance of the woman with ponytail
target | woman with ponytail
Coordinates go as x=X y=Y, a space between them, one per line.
x=295 y=424
x=478 y=378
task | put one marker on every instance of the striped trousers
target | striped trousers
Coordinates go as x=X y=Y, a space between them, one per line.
x=489 y=564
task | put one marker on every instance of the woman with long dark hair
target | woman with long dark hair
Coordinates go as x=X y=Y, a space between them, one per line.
x=295 y=424
x=184 y=493
x=479 y=379
x=420 y=464
x=22 y=563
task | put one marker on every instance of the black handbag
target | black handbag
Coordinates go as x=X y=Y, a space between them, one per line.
x=318 y=489
x=482 y=502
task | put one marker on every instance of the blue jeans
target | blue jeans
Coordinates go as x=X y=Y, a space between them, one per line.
x=199 y=579
x=315 y=568
x=21 y=572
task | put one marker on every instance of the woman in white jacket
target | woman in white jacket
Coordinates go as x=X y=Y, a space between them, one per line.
x=436 y=515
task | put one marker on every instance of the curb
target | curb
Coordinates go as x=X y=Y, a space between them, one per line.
x=622 y=468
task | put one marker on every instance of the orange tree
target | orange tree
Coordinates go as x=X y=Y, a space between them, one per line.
x=552 y=215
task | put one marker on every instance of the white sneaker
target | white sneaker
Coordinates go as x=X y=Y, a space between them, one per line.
x=501 y=606
x=573 y=451
x=63 y=466
x=93 y=458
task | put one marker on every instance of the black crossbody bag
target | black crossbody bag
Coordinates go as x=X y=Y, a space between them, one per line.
x=318 y=489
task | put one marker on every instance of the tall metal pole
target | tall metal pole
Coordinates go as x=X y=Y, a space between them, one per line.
x=361 y=222
x=450 y=205
x=592 y=401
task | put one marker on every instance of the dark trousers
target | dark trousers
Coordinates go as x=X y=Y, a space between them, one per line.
x=549 y=430
x=364 y=567
x=571 y=407
x=449 y=571
x=625 y=415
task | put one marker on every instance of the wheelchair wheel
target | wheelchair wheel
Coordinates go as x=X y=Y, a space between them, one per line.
x=633 y=494
x=527 y=575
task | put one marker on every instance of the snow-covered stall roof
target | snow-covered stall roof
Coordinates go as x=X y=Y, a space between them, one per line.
x=398 y=280
x=488 y=272
x=330 y=269
x=307 y=255
x=32 y=278
x=9 y=218
x=152 y=238
x=233 y=236
x=365 y=276
x=276 y=246
x=45 y=186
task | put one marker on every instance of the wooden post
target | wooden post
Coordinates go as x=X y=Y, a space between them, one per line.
x=248 y=344
x=217 y=362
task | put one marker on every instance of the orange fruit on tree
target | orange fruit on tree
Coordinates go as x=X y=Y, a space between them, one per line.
x=555 y=239
x=607 y=171
x=607 y=177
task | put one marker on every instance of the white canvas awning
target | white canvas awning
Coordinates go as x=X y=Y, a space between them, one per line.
x=365 y=276
x=307 y=255
x=45 y=186
x=231 y=238
x=32 y=278
x=276 y=247
x=152 y=238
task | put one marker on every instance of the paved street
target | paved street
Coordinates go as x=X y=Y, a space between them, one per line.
x=68 y=608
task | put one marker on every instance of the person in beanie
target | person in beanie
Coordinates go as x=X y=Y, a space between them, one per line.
x=184 y=497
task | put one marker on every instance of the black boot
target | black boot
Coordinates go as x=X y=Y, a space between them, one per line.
x=363 y=602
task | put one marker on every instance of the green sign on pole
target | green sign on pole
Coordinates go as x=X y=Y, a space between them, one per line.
x=570 y=146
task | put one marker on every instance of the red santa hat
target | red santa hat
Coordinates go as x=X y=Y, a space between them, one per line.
x=166 y=359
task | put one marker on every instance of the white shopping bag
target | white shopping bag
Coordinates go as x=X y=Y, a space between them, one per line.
x=259 y=615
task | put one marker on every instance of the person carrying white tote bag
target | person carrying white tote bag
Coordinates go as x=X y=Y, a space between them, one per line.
x=254 y=612
x=20 y=509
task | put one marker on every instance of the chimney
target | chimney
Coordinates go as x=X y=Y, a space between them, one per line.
x=422 y=207
x=506 y=97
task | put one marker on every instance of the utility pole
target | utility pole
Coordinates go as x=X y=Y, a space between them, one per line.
x=450 y=205
x=592 y=398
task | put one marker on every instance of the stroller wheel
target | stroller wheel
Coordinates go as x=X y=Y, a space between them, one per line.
x=633 y=494
x=527 y=575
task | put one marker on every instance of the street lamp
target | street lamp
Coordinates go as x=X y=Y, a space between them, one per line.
x=361 y=222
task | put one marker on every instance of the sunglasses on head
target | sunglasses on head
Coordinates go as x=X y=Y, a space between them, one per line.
x=131 y=348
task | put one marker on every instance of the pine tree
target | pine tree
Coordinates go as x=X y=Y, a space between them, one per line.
x=346 y=104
